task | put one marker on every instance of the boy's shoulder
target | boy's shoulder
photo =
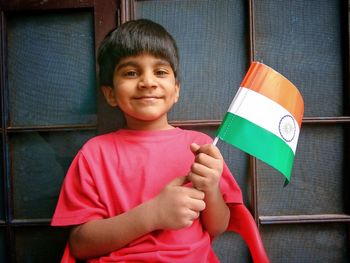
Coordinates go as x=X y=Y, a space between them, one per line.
x=98 y=141
x=197 y=135
x=194 y=132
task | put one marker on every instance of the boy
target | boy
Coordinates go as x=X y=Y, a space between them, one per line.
x=149 y=192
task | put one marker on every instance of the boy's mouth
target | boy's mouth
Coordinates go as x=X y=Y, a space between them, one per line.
x=148 y=97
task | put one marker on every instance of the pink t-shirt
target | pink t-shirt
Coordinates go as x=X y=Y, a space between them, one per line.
x=115 y=172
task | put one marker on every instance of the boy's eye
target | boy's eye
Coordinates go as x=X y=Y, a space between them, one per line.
x=161 y=72
x=130 y=73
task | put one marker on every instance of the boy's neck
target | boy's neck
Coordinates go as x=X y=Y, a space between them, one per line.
x=148 y=125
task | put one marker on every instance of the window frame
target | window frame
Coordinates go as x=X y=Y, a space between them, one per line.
x=107 y=14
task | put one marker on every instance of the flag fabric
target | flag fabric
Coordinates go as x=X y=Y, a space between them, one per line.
x=264 y=118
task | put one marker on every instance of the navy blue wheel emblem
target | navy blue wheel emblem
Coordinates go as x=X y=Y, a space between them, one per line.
x=287 y=128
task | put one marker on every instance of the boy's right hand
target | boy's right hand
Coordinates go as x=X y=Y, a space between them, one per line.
x=177 y=206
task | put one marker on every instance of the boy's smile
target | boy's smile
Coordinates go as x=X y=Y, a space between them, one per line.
x=145 y=89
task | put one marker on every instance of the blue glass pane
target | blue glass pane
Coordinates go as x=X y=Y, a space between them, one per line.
x=316 y=185
x=2 y=245
x=51 y=69
x=39 y=244
x=211 y=36
x=230 y=247
x=303 y=40
x=40 y=161
x=2 y=190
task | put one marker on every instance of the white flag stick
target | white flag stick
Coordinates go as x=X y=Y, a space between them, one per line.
x=215 y=140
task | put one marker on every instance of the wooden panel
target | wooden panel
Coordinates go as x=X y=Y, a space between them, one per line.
x=35 y=5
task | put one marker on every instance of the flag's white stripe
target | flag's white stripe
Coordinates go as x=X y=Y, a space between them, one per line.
x=264 y=112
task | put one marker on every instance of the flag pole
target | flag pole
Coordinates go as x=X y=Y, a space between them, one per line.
x=215 y=141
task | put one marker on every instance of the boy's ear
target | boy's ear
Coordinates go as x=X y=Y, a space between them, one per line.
x=108 y=92
x=177 y=88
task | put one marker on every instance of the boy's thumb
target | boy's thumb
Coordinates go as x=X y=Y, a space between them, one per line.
x=179 y=181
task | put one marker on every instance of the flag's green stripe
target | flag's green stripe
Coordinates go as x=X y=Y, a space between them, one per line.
x=258 y=142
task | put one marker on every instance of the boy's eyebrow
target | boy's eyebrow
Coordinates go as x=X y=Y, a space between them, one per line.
x=162 y=62
x=132 y=63
x=126 y=64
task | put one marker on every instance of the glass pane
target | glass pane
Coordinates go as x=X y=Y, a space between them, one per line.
x=51 y=69
x=303 y=40
x=325 y=243
x=213 y=51
x=316 y=185
x=40 y=161
x=236 y=160
x=40 y=245
x=2 y=189
x=2 y=245
x=230 y=247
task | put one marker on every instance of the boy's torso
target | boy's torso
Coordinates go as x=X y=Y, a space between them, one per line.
x=130 y=168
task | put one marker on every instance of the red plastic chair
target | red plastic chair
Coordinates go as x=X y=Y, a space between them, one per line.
x=67 y=256
x=241 y=222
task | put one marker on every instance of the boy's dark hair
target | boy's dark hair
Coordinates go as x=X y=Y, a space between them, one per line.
x=134 y=38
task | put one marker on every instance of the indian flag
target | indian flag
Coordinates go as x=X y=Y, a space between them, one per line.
x=265 y=117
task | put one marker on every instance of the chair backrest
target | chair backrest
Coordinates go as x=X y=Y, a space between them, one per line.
x=67 y=256
x=241 y=222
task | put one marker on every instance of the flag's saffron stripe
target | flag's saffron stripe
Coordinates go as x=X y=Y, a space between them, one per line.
x=265 y=113
x=258 y=142
x=275 y=86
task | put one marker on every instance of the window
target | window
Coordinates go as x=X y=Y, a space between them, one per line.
x=51 y=105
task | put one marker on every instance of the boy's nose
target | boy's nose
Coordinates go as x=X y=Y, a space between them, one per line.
x=147 y=81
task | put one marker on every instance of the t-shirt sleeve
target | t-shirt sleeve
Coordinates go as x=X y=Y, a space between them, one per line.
x=230 y=189
x=78 y=200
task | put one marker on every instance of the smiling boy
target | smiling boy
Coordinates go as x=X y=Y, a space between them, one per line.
x=149 y=192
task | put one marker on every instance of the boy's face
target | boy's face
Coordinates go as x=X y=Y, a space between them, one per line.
x=145 y=89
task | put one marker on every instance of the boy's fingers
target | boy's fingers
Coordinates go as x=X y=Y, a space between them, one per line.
x=198 y=169
x=210 y=150
x=194 y=147
x=195 y=194
x=179 y=181
x=197 y=205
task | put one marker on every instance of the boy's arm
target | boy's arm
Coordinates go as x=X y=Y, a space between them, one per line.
x=216 y=216
x=99 y=237
x=205 y=176
x=175 y=207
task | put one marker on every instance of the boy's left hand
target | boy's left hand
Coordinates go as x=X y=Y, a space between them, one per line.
x=207 y=168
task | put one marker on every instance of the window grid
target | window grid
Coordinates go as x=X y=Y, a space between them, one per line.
x=106 y=17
